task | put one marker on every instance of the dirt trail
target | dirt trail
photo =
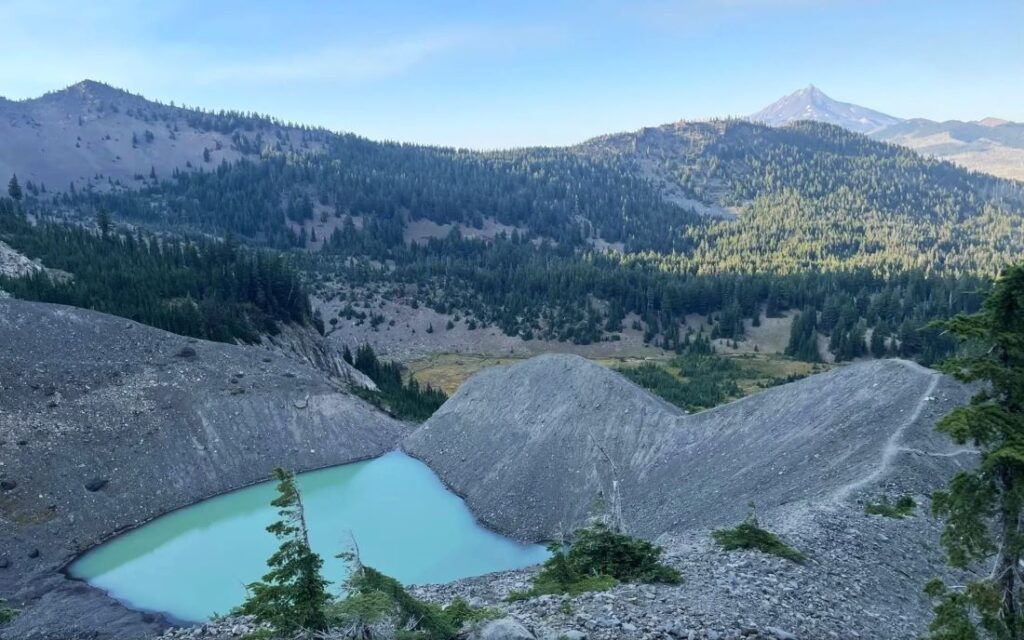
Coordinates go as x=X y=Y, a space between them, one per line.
x=892 y=446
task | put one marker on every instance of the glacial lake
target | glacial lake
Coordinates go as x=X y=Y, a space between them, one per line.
x=194 y=562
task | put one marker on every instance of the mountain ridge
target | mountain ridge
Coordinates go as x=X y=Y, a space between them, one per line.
x=93 y=135
x=568 y=443
x=811 y=103
x=990 y=145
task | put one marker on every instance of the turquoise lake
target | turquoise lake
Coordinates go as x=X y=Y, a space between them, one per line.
x=193 y=562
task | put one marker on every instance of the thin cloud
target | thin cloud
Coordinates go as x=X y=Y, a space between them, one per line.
x=674 y=13
x=143 y=47
x=348 y=63
x=356 y=63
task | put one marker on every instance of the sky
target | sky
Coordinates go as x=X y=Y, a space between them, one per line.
x=504 y=74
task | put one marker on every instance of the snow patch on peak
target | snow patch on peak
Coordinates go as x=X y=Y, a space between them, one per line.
x=811 y=103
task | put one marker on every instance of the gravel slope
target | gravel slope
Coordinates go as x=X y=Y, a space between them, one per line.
x=531 y=445
x=106 y=423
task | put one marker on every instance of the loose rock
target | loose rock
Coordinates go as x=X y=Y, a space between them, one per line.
x=95 y=484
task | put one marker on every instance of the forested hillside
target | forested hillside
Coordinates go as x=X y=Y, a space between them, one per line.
x=991 y=145
x=813 y=195
x=549 y=193
x=807 y=196
x=555 y=293
x=868 y=241
x=202 y=288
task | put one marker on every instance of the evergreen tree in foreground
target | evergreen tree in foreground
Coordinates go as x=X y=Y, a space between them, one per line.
x=292 y=595
x=293 y=599
x=984 y=507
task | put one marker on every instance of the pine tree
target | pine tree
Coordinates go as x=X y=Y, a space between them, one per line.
x=984 y=507
x=14 y=189
x=878 y=343
x=292 y=595
x=103 y=221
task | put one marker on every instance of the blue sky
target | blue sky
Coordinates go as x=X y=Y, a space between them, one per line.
x=496 y=74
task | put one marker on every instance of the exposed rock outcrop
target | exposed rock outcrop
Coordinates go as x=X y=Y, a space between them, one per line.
x=15 y=265
x=306 y=345
x=106 y=423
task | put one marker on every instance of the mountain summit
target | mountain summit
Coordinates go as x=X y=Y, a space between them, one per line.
x=811 y=103
x=93 y=135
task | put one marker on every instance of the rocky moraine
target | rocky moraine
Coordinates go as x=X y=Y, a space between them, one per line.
x=106 y=423
x=115 y=423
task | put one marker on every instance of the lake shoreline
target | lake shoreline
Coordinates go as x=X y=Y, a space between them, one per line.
x=188 y=565
x=118 y=423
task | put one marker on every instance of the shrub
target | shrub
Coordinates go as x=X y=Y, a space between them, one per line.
x=599 y=550
x=378 y=606
x=458 y=613
x=903 y=507
x=6 y=613
x=749 y=535
x=364 y=614
x=409 y=613
x=598 y=559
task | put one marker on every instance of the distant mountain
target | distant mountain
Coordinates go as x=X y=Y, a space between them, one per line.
x=991 y=145
x=92 y=133
x=993 y=122
x=649 y=190
x=811 y=103
x=810 y=202
x=805 y=194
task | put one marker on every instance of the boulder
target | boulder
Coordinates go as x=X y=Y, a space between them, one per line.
x=571 y=634
x=503 y=629
x=95 y=484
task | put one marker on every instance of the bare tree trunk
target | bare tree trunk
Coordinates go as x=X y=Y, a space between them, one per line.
x=1006 y=572
x=357 y=560
x=301 y=516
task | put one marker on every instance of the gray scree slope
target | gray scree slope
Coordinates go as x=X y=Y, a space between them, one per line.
x=530 y=446
x=106 y=423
